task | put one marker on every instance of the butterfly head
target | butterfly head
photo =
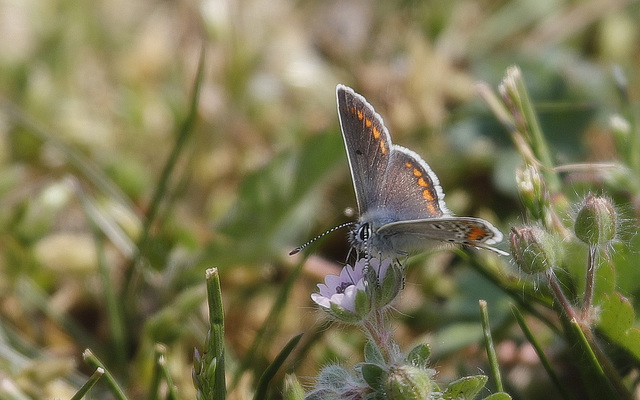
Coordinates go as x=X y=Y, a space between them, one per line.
x=360 y=235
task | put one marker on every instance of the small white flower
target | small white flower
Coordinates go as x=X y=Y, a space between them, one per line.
x=342 y=290
x=370 y=285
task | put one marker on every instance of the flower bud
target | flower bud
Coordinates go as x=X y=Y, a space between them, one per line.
x=533 y=249
x=335 y=382
x=532 y=191
x=407 y=382
x=293 y=390
x=596 y=221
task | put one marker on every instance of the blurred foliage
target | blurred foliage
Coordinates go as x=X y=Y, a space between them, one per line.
x=93 y=96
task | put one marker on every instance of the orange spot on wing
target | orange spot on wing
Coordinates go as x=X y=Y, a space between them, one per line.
x=422 y=182
x=408 y=165
x=476 y=234
x=432 y=209
x=416 y=172
x=427 y=195
x=368 y=123
x=376 y=133
x=352 y=110
x=383 y=148
x=360 y=115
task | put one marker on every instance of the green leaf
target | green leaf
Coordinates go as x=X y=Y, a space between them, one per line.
x=616 y=321
x=626 y=259
x=363 y=304
x=343 y=315
x=419 y=355
x=465 y=388
x=372 y=354
x=372 y=374
x=498 y=396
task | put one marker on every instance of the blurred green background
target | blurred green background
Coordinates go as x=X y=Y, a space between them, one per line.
x=95 y=101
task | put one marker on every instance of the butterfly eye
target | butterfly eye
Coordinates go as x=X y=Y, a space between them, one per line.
x=364 y=232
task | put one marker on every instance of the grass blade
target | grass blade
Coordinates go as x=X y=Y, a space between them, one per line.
x=208 y=370
x=93 y=361
x=184 y=133
x=269 y=373
x=89 y=384
x=114 y=307
x=488 y=342
x=269 y=327
x=546 y=364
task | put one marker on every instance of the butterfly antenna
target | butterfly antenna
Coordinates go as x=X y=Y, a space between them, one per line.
x=299 y=248
x=365 y=237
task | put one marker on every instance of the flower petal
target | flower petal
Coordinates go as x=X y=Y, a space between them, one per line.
x=333 y=281
x=321 y=300
x=325 y=290
x=348 y=301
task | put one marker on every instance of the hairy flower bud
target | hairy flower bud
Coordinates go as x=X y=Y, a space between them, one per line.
x=407 y=382
x=532 y=191
x=293 y=390
x=533 y=249
x=596 y=221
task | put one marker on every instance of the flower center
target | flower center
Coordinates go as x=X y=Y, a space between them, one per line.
x=343 y=286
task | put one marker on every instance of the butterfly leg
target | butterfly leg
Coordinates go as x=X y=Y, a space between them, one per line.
x=402 y=265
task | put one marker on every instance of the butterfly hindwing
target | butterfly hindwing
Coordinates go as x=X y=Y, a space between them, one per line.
x=466 y=230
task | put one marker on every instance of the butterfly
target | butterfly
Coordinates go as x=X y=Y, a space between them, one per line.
x=400 y=200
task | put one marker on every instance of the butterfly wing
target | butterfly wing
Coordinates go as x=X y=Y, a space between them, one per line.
x=397 y=192
x=368 y=146
x=411 y=190
x=464 y=230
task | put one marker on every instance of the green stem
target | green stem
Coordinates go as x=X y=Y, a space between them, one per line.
x=590 y=283
x=488 y=343
x=599 y=363
x=374 y=329
x=154 y=387
x=546 y=364
x=558 y=294
x=602 y=366
x=631 y=147
x=161 y=361
x=95 y=377
x=536 y=137
x=215 y=338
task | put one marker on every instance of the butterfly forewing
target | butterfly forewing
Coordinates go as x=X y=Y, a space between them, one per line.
x=368 y=146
